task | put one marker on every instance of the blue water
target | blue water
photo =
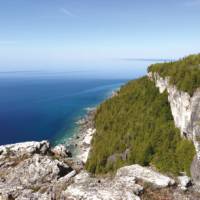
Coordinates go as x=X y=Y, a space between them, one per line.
x=37 y=107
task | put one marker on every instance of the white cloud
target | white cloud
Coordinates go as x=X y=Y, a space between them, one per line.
x=66 y=12
x=192 y=3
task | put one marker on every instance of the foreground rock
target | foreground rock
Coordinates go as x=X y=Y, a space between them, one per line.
x=119 y=188
x=146 y=175
x=37 y=171
x=184 y=182
x=122 y=187
x=30 y=170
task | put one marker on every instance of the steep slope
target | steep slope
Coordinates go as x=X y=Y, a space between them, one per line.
x=181 y=80
x=136 y=126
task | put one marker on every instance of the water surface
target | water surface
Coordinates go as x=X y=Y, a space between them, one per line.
x=36 y=108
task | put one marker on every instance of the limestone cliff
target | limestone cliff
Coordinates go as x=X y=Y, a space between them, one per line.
x=185 y=110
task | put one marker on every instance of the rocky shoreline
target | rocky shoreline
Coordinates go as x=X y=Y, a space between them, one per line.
x=79 y=144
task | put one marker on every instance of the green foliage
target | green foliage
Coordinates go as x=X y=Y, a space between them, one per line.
x=185 y=73
x=138 y=119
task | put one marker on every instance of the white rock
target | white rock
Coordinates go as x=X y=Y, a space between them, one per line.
x=24 y=148
x=38 y=169
x=88 y=137
x=145 y=174
x=184 y=182
x=119 y=188
x=33 y=173
x=61 y=150
x=83 y=156
x=85 y=145
x=122 y=187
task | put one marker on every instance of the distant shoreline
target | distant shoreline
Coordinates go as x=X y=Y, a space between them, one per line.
x=80 y=143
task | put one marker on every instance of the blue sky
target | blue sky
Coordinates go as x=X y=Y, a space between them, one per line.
x=59 y=32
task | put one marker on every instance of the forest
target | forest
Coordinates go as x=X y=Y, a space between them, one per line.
x=184 y=73
x=136 y=126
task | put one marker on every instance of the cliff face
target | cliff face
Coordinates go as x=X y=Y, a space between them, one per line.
x=185 y=109
x=186 y=113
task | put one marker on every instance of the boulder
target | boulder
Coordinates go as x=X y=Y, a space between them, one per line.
x=61 y=150
x=184 y=182
x=146 y=174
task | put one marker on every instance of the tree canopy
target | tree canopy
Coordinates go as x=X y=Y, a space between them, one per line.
x=184 y=73
x=136 y=126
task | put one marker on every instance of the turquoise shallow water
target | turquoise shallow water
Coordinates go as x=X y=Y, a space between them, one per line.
x=37 y=108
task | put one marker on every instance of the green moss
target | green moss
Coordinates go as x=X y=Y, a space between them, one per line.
x=138 y=119
x=185 y=73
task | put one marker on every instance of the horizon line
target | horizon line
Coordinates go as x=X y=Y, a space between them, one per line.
x=149 y=59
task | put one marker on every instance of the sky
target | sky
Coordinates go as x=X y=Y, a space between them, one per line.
x=36 y=34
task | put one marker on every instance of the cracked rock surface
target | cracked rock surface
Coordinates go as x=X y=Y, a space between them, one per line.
x=30 y=170
x=37 y=171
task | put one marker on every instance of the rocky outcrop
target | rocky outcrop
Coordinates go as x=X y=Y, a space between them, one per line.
x=184 y=182
x=186 y=113
x=185 y=109
x=146 y=175
x=30 y=170
x=24 y=149
x=130 y=183
x=123 y=186
x=61 y=150
x=85 y=187
x=35 y=170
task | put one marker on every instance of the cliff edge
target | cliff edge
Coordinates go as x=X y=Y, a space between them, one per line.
x=184 y=99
